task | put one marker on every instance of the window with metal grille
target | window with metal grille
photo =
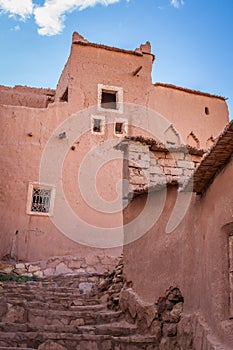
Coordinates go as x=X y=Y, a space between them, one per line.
x=40 y=200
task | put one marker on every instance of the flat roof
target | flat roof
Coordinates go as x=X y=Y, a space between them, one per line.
x=191 y=91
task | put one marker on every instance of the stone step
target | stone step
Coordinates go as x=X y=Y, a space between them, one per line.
x=62 y=282
x=43 y=297
x=40 y=293
x=72 y=305
x=67 y=317
x=56 y=282
x=71 y=341
x=34 y=290
x=115 y=329
x=88 y=305
x=51 y=303
x=138 y=342
x=10 y=348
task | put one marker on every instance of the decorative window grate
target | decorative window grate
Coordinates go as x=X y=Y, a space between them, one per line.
x=40 y=200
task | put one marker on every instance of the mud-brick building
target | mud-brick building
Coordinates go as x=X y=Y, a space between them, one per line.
x=63 y=209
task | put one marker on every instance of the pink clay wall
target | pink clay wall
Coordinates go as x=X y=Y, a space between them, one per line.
x=25 y=96
x=21 y=154
x=87 y=67
x=186 y=111
x=193 y=257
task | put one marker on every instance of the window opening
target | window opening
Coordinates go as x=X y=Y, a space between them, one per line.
x=64 y=97
x=40 y=200
x=109 y=99
x=97 y=125
x=119 y=128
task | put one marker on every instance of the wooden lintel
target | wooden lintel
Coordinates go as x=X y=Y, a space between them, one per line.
x=137 y=70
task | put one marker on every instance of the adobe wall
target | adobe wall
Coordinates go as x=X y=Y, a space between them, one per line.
x=26 y=96
x=27 y=126
x=194 y=257
x=109 y=68
x=31 y=237
x=184 y=108
x=186 y=111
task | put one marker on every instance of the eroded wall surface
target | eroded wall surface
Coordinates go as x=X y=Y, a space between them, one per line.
x=194 y=256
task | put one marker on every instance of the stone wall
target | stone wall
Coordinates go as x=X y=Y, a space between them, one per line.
x=61 y=266
x=165 y=319
x=153 y=169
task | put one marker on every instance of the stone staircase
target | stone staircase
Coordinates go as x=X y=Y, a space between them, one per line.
x=60 y=313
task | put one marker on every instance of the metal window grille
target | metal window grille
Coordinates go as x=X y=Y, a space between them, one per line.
x=40 y=200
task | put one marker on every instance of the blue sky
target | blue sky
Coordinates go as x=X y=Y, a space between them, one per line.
x=192 y=39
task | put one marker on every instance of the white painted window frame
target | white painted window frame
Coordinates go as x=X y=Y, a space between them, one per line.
x=102 y=124
x=125 y=126
x=33 y=185
x=119 y=98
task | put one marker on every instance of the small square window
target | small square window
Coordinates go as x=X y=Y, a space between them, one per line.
x=110 y=98
x=97 y=124
x=40 y=199
x=120 y=127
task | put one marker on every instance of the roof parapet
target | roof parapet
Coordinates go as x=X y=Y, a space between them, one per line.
x=144 y=49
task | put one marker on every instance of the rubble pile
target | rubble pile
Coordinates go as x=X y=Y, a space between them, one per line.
x=160 y=319
x=109 y=288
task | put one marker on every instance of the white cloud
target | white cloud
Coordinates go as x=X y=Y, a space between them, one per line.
x=17 y=7
x=177 y=3
x=51 y=16
x=16 y=28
